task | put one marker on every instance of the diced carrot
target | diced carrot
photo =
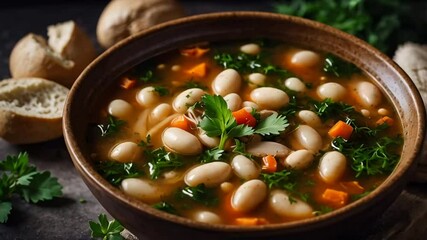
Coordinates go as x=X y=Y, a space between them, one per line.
x=341 y=129
x=198 y=71
x=227 y=208
x=244 y=117
x=194 y=52
x=127 y=83
x=269 y=164
x=352 y=187
x=387 y=120
x=335 y=198
x=251 y=221
x=181 y=122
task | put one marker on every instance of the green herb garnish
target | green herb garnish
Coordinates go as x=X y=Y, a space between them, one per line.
x=211 y=155
x=335 y=66
x=162 y=91
x=106 y=230
x=219 y=121
x=160 y=160
x=147 y=77
x=112 y=127
x=194 y=84
x=165 y=207
x=115 y=172
x=200 y=194
x=19 y=177
x=327 y=109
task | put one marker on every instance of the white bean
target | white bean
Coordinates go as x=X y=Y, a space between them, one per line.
x=269 y=98
x=332 y=166
x=261 y=149
x=309 y=118
x=234 y=101
x=305 y=58
x=210 y=174
x=256 y=79
x=160 y=112
x=370 y=95
x=125 y=152
x=300 y=159
x=250 y=104
x=365 y=112
x=295 y=84
x=332 y=90
x=305 y=137
x=207 y=217
x=145 y=190
x=249 y=195
x=251 y=48
x=120 y=109
x=209 y=142
x=383 y=112
x=140 y=125
x=226 y=187
x=181 y=141
x=187 y=98
x=244 y=167
x=280 y=203
x=148 y=97
x=227 y=81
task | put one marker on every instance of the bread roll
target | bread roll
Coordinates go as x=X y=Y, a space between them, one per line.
x=31 y=110
x=61 y=58
x=123 y=18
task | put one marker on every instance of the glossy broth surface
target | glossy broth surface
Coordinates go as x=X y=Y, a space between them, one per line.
x=305 y=133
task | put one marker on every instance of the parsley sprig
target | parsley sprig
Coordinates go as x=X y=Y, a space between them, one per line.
x=219 y=121
x=19 y=177
x=106 y=230
x=111 y=127
x=115 y=172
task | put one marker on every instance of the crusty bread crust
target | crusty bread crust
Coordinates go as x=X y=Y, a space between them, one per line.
x=61 y=59
x=31 y=110
x=123 y=18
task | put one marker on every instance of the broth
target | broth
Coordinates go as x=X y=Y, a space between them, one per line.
x=295 y=134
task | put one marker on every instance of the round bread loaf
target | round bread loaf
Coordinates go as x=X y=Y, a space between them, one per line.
x=31 y=110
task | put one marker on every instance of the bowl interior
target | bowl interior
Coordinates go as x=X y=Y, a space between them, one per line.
x=97 y=80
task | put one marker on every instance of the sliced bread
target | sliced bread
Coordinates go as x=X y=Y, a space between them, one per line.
x=31 y=110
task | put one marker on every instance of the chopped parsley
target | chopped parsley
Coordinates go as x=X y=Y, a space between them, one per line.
x=104 y=229
x=115 y=172
x=112 y=127
x=200 y=194
x=335 y=66
x=160 y=160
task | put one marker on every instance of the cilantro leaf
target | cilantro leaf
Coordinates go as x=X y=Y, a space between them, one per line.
x=42 y=187
x=219 y=121
x=106 y=229
x=5 y=209
x=115 y=172
x=200 y=194
x=160 y=160
x=19 y=177
x=112 y=127
x=272 y=125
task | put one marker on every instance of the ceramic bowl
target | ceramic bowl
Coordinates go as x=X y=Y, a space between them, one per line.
x=148 y=223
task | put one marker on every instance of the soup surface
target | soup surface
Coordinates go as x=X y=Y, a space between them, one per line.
x=245 y=133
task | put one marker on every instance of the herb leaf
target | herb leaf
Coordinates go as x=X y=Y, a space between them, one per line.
x=112 y=127
x=211 y=155
x=272 y=125
x=162 y=91
x=336 y=66
x=106 y=229
x=115 y=172
x=147 y=77
x=160 y=160
x=329 y=109
x=200 y=194
x=165 y=207
x=19 y=177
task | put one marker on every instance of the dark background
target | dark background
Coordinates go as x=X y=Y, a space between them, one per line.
x=68 y=217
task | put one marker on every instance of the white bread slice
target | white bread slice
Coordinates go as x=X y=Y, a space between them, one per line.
x=31 y=110
x=61 y=58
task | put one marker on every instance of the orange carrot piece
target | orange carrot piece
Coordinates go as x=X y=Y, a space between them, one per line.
x=251 y=221
x=198 y=71
x=269 y=164
x=244 y=117
x=387 y=120
x=352 y=187
x=341 y=129
x=127 y=83
x=181 y=122
x=335 y=198
x=194 y=52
